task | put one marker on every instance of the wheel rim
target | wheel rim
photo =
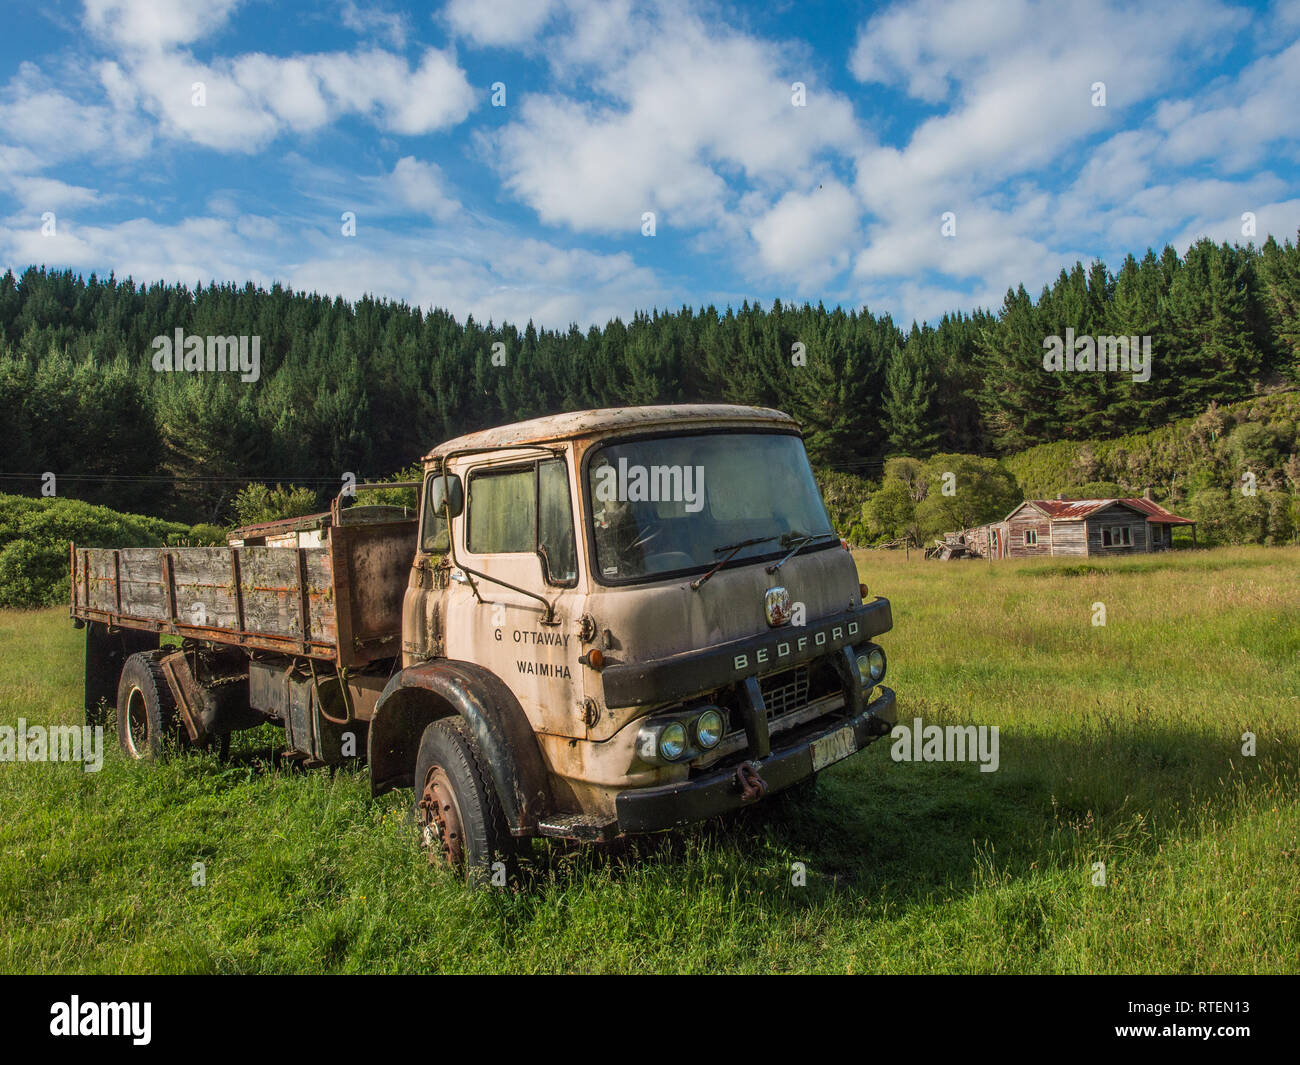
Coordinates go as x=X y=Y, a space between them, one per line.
x=442 y=832
x=137 y=723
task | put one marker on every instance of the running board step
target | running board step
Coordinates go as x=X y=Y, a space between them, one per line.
x=578 y=826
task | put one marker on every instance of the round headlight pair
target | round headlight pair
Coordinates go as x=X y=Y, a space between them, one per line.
x=673 y=738
x=871 y=665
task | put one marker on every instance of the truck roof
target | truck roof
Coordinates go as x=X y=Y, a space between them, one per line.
x=581 y=423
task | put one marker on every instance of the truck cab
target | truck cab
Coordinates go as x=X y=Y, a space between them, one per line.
x=620 y=620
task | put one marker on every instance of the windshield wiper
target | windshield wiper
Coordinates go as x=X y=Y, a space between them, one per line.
x=731 y=550
x=798 y=543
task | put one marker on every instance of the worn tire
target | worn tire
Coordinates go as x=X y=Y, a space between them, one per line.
x=472 y=835
x=146 y=711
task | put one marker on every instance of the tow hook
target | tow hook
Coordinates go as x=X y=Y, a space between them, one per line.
x=752 y=786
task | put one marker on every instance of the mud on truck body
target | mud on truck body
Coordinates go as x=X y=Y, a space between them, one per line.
x=600 y=623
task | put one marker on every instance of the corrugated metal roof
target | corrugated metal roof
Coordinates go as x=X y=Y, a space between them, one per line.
x=1078 y=509
x=1155 y=512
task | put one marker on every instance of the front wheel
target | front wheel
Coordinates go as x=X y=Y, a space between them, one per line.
x=457 y=812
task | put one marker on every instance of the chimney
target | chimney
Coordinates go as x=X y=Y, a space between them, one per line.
x=1146 y=494
x=1060 y=495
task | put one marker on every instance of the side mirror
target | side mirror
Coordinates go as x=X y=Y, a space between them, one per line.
x=448 y=495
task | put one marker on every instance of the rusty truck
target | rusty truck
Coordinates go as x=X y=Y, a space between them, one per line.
x=593 y=625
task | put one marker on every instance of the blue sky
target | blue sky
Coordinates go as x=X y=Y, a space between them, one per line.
x=225 y=139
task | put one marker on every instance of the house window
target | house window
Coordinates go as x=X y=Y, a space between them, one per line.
x=1031 y=537
x=1116 y=536
x=1126 y=534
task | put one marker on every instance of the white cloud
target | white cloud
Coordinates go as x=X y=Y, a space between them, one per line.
x=250 y=100
x=151 y=25
x=375 y=22
x=421 y=187
x=1239 y=124
x=53 y=126
x=247 y=100
x=1021 y=83
x=686 y=116
x=806 y=237
x=36 y=195
x=501 y=23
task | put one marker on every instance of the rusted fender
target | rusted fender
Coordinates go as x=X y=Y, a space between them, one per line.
x=425 y=692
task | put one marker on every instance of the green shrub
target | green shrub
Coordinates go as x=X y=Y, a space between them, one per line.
x=33 y=574
x=256 y=503
x=206 y=534
x=35 y=534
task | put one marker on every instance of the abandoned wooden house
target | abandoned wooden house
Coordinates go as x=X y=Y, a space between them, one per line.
x=1081 y=527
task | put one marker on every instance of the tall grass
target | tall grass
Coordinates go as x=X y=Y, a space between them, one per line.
x=1120 y=744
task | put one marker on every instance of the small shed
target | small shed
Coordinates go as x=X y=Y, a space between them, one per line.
x=1080 y=527
x=1075 y=527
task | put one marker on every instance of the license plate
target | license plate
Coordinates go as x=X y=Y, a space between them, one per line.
x=834 y=747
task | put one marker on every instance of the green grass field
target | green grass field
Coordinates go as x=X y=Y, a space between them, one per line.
x=1120 y=744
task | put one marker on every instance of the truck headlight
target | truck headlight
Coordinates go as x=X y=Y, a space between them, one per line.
x=709 y=728
x=672 y=741
x=871 y=666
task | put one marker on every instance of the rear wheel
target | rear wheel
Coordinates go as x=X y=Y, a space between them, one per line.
x=146 y=711
x=457 y=812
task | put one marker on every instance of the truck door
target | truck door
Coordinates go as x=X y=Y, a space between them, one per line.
x=516 y=544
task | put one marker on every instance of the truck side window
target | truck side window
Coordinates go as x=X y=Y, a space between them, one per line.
x=555 y=522
x=502 y=511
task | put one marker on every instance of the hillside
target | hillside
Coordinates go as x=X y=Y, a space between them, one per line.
x=1234 y=468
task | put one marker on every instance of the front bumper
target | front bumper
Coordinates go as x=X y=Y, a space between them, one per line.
x=652 y=809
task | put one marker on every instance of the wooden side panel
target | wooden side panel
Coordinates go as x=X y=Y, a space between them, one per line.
x=100 y=583
x=143 y=580
x=322 y=617
x=263 y=597
x=205 y=587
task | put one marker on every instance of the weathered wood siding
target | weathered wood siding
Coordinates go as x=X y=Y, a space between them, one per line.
x=1069 y=538
x=1117 y=516
x=1016 y=526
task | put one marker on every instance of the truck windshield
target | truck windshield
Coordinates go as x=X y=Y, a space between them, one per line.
x=677 y=504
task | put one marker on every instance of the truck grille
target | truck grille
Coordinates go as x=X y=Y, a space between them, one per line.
x=784 y=694
x=786 y=691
